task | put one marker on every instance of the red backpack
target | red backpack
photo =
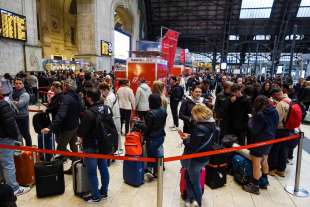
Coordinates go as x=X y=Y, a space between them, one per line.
x=133 y=144
x=294 y=116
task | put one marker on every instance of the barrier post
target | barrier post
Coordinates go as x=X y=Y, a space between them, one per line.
x=296 y=190
x=160 y=181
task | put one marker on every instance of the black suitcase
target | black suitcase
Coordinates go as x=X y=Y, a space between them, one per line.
x=216 y=170
x=49 y=176
x=216 y=175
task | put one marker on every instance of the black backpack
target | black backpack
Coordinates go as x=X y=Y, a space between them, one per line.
x=40 y=120
x=105 y=131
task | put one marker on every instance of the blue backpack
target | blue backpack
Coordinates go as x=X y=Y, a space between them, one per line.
x=242 y=169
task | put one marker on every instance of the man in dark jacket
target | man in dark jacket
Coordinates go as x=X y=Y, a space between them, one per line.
x=187 y=105
x=221 y=108
x=21 y=101
x=176 y=95
x=8 y=135
x=238 y=110
x=66 y=121
x=91 y=145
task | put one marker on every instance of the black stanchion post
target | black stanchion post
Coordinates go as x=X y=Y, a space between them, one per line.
x=296 y=190
x=160 y=181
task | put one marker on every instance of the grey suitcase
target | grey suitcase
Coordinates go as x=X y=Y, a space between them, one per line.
x=80 y=179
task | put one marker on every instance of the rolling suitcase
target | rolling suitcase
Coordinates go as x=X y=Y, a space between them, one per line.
x=183 y=181
x=49 y=176
x=80 y=178
x=24 y=165
x=133 y=173
x=216 y=175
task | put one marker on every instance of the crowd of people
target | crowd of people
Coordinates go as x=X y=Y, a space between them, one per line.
x=253 y=109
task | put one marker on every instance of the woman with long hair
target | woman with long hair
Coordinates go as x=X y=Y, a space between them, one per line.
x=262 y=127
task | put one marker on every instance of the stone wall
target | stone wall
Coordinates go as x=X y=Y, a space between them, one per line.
x=12 y=55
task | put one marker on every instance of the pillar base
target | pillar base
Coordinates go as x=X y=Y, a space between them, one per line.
x=302 y=193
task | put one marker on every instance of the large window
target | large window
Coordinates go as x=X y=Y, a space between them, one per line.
x=256 y=9
x=121 y=45
x=304 y=9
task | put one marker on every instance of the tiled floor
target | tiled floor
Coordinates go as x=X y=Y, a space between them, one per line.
x=231 y=195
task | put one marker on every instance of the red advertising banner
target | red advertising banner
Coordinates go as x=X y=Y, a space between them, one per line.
x=169 y=47
x=182 y=56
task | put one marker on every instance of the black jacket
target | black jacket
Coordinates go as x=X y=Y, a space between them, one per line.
x=155 y=122
x=264 y=124
x=67 y=117
x=201 y=133
x=53 y=107
x=238 y=113
x=304 y=96
x=8 y=126
x=88 y=122
x=177 y=93
x=185 y=112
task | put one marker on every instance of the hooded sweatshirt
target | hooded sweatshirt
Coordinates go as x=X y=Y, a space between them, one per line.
x=263 y=125
x=142 y=96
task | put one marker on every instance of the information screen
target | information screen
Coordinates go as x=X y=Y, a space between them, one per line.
x=106 y=48
x=121 y=45
x=12 y=26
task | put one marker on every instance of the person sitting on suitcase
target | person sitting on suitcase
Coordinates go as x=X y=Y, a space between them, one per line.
x=8 y=135
x=93 y=142
x=154 y=132
x=201 y=139
x=262 y=127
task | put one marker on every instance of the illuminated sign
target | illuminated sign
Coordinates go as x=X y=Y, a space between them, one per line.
x=106 y=48
x=12 y=26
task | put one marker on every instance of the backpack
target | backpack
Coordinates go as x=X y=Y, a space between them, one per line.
x=294 y=116
x=39 y=121
x=105 y=131
x=133 y=144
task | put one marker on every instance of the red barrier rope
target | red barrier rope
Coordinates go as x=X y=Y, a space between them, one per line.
x=77 y=154
x=145 y=159
x=35 y=110
x=232 y=149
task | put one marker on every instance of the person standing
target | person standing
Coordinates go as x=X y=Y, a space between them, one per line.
x=34 y=85
x=126 y=103
x=66 y=120
x=91 y=144
x=262 y=127
x=154 y=133
x=176 y=95
x=111 y=100
x=8 y=135
x=187 y=105
x=142 y=96
x=201 y=138
x=21 y=101
x=279 y=152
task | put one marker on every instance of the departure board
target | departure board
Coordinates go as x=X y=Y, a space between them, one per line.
x=106 y=48
x=12 y=26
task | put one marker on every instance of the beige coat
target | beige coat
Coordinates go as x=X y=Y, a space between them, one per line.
x=126 y=98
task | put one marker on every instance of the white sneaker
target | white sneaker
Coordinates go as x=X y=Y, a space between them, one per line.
x=21 y=190
x=195 y=204
x=187 y=204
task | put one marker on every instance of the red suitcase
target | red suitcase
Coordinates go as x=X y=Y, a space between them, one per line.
x=24 y=165
x=183 y=181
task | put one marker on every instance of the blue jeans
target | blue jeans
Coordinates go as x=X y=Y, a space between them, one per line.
x=91 y=165
x=7 y=166
x=193 y=170
x=155 y=148
x=23 y=125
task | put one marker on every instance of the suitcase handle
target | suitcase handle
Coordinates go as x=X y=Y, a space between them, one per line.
x=53 y=144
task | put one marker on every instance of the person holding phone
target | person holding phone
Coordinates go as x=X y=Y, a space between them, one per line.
x=201 y=139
